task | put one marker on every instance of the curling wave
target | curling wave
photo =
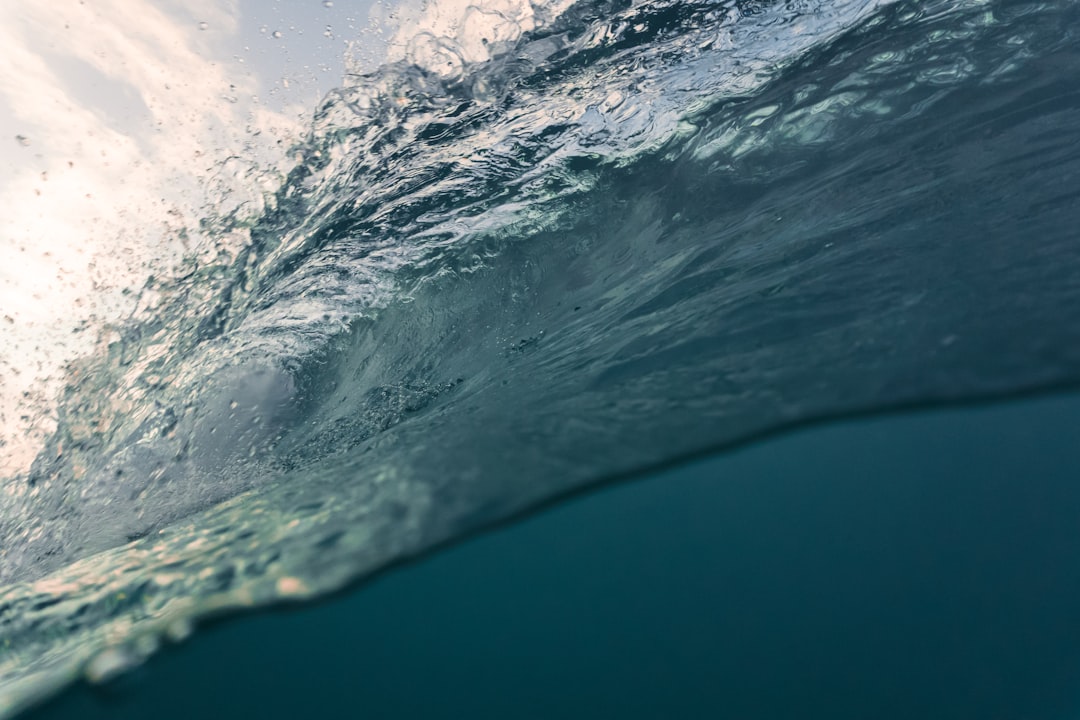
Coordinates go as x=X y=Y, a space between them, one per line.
x=544 y=247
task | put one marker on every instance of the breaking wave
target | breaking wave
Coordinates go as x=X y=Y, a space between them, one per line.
x=542 y=247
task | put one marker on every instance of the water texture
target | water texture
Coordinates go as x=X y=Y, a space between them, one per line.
x=921 y=565
x=554 y=247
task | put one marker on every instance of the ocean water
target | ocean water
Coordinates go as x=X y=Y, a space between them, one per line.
x=539 y=248
x=922 y=565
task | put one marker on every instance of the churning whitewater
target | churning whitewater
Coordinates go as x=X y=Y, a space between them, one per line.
x=538 y=248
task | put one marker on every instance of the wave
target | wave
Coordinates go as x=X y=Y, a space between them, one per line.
x=542 y=247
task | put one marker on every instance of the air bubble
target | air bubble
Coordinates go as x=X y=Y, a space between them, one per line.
x=179 y=629
x=204 y=25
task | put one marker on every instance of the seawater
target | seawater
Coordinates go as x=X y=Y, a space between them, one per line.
x=920 y=565
x=552 y=248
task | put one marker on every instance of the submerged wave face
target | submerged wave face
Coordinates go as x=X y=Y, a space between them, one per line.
x=551 y=250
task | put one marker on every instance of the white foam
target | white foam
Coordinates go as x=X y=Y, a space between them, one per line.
x=443 y=36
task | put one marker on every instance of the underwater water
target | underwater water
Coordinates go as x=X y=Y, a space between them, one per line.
x=552 y=247
x=921 y=565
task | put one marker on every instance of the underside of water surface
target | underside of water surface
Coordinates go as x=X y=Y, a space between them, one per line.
x=533 y=257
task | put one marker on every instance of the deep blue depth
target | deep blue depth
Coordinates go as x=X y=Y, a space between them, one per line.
x=919 y=566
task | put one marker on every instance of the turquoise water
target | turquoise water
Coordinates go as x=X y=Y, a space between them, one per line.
x=925 y=565
x=506 y=267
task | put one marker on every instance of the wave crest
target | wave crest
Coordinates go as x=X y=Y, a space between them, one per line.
x=539 y=249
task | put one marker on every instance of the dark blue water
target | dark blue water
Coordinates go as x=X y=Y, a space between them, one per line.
x=923 y=565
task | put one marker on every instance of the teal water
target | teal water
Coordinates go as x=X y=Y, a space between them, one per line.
x=923 y=565
x=503 y=269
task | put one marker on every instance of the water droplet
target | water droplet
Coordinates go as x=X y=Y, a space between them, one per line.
x=327 y=4
x=276 y=34
x=22 y=140
x=204 y=25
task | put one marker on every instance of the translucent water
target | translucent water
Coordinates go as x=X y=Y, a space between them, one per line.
x=538 y=249
x=923 y=564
